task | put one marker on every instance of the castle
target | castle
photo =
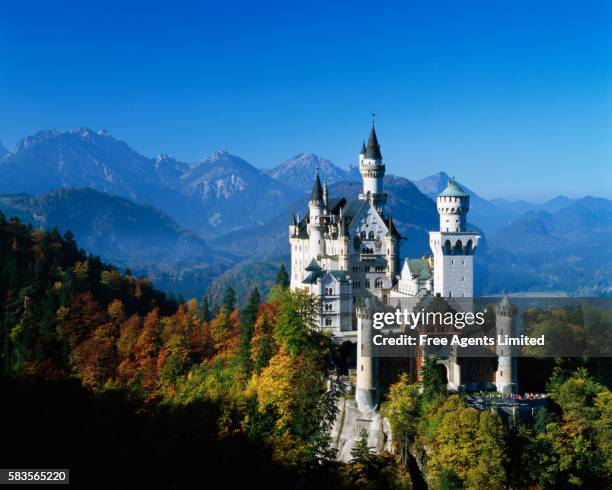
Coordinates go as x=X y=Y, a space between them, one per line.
x=346 y=253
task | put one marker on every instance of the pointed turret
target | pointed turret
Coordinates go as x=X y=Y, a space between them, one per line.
x=373 y=150
x=317 y=190
x=392 y=229
x=363 y=148
x=372 y=170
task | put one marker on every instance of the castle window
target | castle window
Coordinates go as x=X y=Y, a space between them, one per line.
x=468 y=247
x=463 y=278
x=458 y=247
x=447 y=246
x=328 y=322
x=330 y=291
x=452 y=262
x=362 y=235
x=378 y=283
x=367 y=284
x=328 y=306
x=501 y=373
x=371 y=235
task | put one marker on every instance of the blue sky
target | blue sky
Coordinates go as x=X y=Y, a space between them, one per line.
x=513 y=98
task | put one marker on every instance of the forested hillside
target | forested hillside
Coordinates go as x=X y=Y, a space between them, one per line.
x=102 y=372
x=105 y=375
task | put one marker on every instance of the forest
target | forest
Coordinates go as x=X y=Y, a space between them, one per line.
x=129 y=388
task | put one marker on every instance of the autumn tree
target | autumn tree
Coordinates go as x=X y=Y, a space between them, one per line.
x=402 y=408
x=468 y=443
x=296 y=321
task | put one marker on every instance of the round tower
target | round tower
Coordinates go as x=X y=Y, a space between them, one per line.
x=344 y=239
x=392 y=238
x=316 y=207
x=453 y=205
x=453 y=246
x=505 y=376
x=366 y=393
x=372 y=170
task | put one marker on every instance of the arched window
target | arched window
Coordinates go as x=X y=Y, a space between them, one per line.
x=447 y=247
x=362 y=235
x=371 y=235
x=378 y=283
x=468 y=247
x=458 y=247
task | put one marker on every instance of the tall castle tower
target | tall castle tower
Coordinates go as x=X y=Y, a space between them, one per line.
x=505 y=376
x=366 y=393
x=316 y=206
x=372 y=170
x=453 y=246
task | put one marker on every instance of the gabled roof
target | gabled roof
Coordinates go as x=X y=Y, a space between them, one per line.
x=338 y=275
x=312 y=277
x=313 y=266
x=453 y=190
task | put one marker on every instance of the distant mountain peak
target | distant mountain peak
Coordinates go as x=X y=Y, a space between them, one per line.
x=163 y=157
x=35 y=139
x=299 y=171
x=218 y=155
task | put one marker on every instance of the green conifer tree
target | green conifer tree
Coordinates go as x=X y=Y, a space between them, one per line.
x=282 y=278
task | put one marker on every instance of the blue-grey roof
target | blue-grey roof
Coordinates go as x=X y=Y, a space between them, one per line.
x=313 y=266
x=373 y=149
x=453 y=190
x=339 y=275
x=317 y=190
x=312 y=277
x=419 y=268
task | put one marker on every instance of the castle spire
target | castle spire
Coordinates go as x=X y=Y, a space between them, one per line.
x=373 y=149
x=317 y=189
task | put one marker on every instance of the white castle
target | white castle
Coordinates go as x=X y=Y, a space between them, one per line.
x=345 y=251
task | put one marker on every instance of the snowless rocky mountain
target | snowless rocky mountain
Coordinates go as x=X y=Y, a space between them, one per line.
x=169 y=169
x=233 y=192
x=298 y=171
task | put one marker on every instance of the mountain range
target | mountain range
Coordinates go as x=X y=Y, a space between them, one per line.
x=185 y=224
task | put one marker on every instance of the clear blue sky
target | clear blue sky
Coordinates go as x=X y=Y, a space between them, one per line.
x=511 y=97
